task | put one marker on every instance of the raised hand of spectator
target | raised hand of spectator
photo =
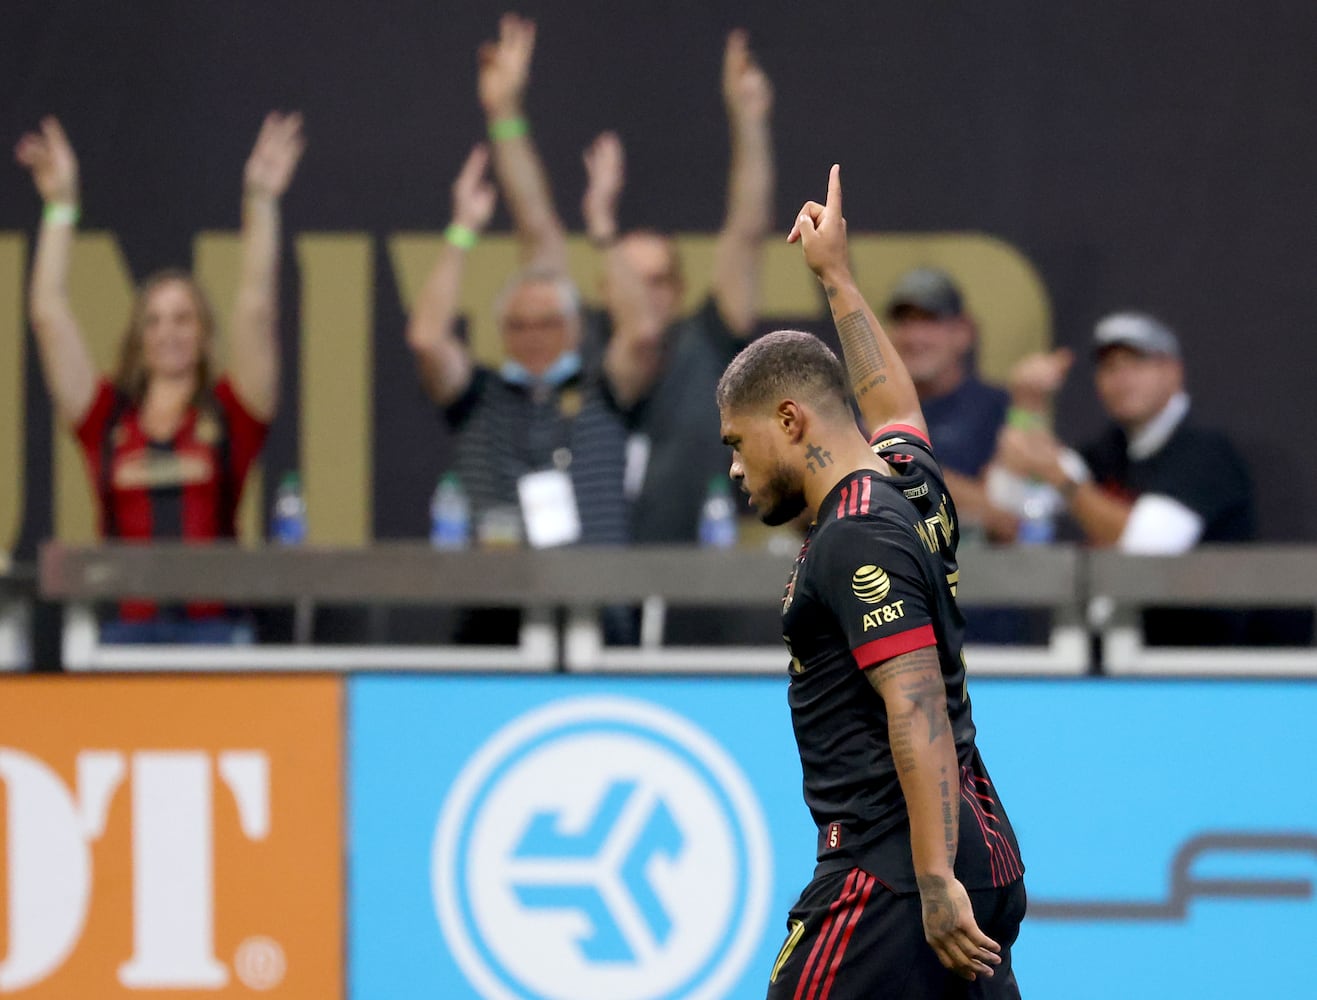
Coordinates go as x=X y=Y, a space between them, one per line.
x=1036 y=379
x=605 y=172
x=275 y=156
x=505 y=67
x=474 y=196
x=48 y=155
x=746 y=87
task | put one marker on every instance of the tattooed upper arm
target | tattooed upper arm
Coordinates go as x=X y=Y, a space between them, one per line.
x=912 y=687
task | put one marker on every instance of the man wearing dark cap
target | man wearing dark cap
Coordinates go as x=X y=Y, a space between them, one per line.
x=1154 y=482
x=935 y=336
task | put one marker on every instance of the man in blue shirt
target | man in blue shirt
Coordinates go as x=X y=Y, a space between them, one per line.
x=935 y=336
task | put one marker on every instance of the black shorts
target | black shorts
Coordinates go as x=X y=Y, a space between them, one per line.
x=851 y=938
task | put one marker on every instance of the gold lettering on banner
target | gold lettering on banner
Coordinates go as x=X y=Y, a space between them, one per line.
x=1002 y=289
x=336 y=433
x=13 y=331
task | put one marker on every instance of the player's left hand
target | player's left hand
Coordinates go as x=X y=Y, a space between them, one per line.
x=951 y=931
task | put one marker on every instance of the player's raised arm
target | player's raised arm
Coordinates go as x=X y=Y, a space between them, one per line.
x=879 y=379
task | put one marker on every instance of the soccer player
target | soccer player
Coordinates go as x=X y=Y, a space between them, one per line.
x=918 y=890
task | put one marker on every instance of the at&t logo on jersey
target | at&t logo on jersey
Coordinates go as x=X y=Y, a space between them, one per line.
x=871 y=584
x=601 y=848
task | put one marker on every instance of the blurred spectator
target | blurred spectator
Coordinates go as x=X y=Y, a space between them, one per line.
x=665 y=367
x=1155 y=482
x=936 y=337
x=661 y=369
x=168 y=446
x=541 y=410
x=545 y=421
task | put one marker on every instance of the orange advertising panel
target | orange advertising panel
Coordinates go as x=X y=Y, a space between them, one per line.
x=170 y=837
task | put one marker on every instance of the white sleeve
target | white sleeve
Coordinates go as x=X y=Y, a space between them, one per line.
x=1160 y=526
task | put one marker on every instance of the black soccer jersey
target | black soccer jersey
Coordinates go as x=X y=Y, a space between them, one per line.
x=876 y=577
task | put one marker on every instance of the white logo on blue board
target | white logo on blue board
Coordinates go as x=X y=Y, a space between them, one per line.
x=601 y=848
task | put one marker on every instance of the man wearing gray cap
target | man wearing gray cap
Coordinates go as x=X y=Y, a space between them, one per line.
x=1154 y=482
x=935 y=337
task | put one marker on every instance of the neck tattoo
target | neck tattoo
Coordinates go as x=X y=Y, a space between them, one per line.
x=817 y=457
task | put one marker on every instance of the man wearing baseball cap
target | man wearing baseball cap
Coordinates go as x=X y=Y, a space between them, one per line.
x=1155 y=482
x=935 y=335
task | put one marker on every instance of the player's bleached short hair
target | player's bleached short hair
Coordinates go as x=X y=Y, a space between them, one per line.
x=781 y=365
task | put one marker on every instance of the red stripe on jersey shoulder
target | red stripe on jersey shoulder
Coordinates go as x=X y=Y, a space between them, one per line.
x=891 y=429
x=855 y=498
x=894 y=645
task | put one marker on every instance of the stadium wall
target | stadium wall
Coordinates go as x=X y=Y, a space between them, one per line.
x=629 y=838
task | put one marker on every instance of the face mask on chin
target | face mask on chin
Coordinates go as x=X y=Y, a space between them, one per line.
x=566 y=367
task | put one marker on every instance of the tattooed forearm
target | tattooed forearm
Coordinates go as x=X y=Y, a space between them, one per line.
x=859 y=345
x=950 y=820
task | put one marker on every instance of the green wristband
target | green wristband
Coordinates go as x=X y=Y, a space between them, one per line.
x=509 y=128
x=463 y=237
x=60 y=213
x=1023 y=419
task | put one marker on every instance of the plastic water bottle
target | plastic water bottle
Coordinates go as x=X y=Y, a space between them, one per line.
x=1036 y=502
x=450 y=514
x=1038 y=509
x=718 y=516
x=289 y=522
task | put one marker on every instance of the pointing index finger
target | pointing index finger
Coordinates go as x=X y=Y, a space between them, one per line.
x=834 y=188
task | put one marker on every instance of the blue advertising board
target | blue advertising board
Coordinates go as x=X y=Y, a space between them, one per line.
x=561 y=838
x=1169 y=832
x=569 y=838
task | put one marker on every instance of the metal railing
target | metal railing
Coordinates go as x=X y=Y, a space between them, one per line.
x=1087 y=593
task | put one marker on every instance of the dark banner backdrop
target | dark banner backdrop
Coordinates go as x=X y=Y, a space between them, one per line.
x=1159 y=156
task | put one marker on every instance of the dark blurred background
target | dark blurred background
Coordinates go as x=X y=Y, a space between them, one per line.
x=1158 y=156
